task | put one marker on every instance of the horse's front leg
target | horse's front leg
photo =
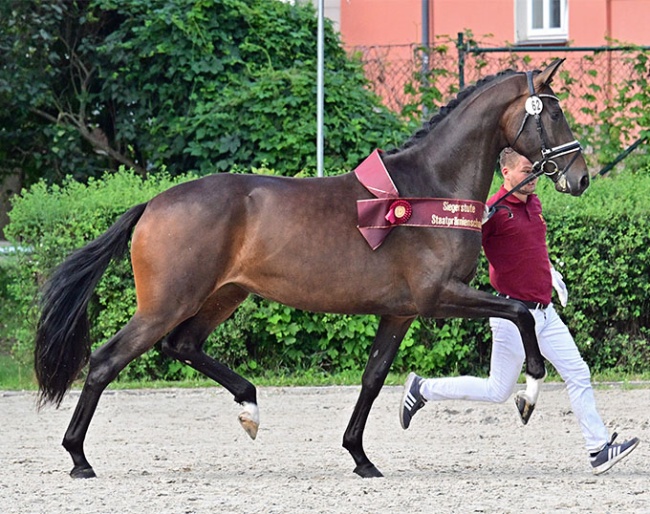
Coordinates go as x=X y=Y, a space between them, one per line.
x=460 y=301
x=382 y=353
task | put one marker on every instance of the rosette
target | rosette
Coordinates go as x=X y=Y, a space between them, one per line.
x=399 y=212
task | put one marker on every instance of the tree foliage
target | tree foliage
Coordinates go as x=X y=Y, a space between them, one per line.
x=87 y=85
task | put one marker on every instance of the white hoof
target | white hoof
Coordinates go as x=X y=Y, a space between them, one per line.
x=524 y=407
x=533 y=386
x=250 y=419
x=526 y=400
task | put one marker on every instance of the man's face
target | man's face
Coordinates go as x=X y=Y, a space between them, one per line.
x=518 y=172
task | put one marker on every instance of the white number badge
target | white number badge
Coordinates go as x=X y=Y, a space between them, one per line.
x=534 y=105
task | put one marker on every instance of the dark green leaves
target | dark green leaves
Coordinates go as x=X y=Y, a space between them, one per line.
x=203 y=85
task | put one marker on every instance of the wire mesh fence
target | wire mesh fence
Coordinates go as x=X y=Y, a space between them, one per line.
x=397 y=75
x=603 y=89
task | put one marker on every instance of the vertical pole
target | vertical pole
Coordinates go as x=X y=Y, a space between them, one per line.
x=319 y=90
x=461 y=60
x=425 y=52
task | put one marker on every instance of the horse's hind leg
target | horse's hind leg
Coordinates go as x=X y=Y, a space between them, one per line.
x=387 y=340
x=135 y=338
x=185 y=343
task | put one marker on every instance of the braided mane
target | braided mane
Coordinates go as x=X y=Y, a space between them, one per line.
x=429 y=125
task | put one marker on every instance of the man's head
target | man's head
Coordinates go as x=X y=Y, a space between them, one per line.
x=516 y=168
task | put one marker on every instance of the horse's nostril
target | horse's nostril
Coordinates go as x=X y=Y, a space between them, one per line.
x=584 y=182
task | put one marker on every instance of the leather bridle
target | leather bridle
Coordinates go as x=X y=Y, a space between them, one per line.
x=534 y=107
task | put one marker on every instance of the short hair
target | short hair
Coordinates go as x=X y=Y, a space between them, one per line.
x=508 y=158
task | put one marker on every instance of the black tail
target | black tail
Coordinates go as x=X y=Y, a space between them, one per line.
x=62 y=336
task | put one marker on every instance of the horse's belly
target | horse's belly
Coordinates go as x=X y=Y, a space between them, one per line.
x=330 y=292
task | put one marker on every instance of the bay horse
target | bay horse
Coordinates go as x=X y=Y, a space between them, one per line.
x=200 y=248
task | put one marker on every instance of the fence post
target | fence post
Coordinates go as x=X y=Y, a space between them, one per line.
x=460 y=45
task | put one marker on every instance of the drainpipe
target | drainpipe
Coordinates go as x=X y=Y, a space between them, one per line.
x=425 y=52
x=608 y=35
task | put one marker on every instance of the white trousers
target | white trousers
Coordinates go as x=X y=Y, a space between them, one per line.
x=557 y=346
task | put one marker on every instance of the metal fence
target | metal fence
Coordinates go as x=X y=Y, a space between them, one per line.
x=411 y=79
x=399 y=73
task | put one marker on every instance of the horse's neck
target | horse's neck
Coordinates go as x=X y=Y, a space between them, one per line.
x=457 y=158
x=448 y=163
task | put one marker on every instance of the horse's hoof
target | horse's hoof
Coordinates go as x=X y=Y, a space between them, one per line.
x=82 y=472
x=249 y=419
x=368 y=471
x=524 y=407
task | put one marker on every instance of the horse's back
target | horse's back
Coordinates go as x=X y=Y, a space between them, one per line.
x=252 y=230
x=291 y=240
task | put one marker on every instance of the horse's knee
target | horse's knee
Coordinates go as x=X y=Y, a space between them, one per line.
x=526 y=321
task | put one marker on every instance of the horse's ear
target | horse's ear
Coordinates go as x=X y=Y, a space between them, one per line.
x=545 y=78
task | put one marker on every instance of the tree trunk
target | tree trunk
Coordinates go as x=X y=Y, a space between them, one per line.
x=9 y=186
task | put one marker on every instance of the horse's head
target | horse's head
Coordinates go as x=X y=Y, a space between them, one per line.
x=537 y=128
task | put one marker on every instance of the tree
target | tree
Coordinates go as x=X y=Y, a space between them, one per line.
x=208 y=85
x=44 y=90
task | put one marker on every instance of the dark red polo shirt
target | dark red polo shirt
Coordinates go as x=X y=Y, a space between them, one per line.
x=516 y=249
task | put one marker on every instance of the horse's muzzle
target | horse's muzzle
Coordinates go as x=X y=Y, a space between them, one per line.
x=574 y=185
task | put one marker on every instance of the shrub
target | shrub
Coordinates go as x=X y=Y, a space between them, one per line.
x=54 y=220
x=600 y=242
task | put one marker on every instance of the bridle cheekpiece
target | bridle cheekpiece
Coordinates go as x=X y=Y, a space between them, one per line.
x=534 y=107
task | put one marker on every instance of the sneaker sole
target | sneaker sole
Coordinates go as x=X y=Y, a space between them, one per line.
x=610 y=463
x=407 y=390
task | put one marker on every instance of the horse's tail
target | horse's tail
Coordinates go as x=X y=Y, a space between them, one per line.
x=62 y=337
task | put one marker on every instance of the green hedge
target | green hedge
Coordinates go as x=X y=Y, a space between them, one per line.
x=599 y=242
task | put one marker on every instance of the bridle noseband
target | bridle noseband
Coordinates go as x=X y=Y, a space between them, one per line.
x=534 y=107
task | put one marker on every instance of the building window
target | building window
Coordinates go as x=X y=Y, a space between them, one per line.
x=541 y=21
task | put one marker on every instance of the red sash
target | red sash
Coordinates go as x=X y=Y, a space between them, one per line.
x=377 y=217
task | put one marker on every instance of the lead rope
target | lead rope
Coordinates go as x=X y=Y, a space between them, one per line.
x=491 y=209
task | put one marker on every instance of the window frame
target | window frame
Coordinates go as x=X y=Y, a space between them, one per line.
x=526 y=34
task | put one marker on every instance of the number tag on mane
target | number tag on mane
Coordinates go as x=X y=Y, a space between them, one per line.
x=534 y=105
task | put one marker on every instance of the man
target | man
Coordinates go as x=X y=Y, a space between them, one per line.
x=514 y=241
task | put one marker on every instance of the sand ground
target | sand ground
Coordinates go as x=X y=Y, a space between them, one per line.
x=183 y=451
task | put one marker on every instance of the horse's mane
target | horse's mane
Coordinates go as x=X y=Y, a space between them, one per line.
x=428 y=126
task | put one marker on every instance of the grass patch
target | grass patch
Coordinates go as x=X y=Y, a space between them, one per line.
x=16 y=376
x=305 y=378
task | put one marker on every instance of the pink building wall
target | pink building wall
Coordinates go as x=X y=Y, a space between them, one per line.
x=395 y=22
x=398 y=23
